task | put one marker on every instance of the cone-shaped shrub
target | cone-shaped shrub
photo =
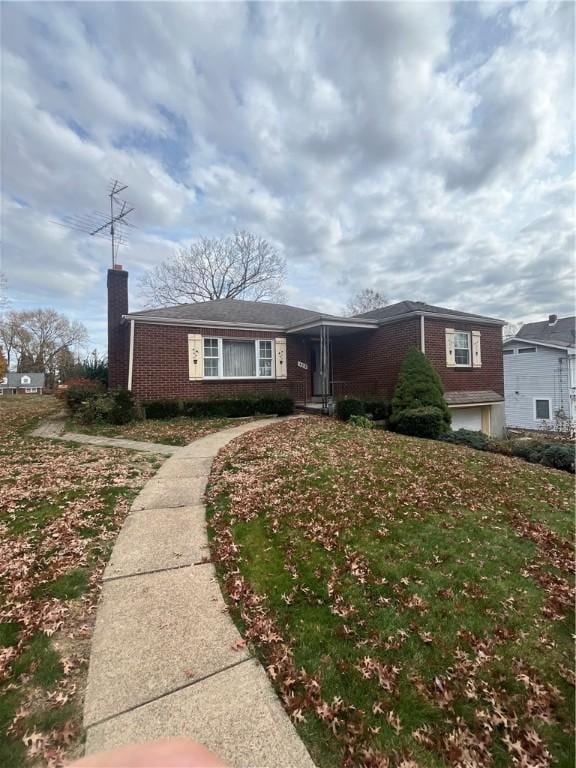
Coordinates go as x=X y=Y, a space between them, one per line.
x=419 y=386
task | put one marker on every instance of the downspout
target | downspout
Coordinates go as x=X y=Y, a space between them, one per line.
x=422 y=336
x=131 y=356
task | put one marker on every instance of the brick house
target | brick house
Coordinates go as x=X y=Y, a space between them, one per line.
x=231 y=347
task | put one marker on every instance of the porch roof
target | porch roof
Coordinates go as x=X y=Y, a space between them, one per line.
x=338 y=326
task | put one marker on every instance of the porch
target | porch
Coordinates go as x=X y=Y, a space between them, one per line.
x=322 y=371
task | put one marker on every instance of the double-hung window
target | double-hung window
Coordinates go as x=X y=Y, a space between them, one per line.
x=211 y=358
x=462 y=348
x=238 y=358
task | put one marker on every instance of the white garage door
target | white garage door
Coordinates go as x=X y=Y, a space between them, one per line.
x=466 y=418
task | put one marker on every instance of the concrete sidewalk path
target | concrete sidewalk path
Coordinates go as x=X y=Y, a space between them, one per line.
x=166 y=661
x=53 y=429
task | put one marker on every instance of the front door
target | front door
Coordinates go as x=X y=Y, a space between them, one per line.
x=317 y=371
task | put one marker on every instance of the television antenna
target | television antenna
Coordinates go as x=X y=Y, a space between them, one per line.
x=111 y=226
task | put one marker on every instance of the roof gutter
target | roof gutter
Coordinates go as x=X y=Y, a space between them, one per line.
x=197 y=323
x=330 y=323
x=441 y=316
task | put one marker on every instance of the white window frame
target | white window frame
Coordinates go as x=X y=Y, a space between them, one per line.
x=256 y=342
x=549 y=401
x=528 y=351
x=469 y=363
x=31 y=390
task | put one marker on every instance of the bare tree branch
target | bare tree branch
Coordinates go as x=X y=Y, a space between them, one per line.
x=365 y=301
x=240 y=267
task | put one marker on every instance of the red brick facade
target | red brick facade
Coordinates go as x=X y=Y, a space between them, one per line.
x=160 y=367
x=363 y=362
x=367 y=362
x=118 y=332
x=370 y=361
x=491 y=373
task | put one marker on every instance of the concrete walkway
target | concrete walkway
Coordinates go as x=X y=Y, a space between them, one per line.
x=54 y=430
x=166 y=660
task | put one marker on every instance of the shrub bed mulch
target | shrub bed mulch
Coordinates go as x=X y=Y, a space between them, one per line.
x=60 y=510
x=411 y=601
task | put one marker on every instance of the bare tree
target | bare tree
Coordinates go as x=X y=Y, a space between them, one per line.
x=243 y=266
x=366 y=300
x=37 y=337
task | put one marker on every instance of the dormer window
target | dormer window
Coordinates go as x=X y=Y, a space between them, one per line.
x=25 y=380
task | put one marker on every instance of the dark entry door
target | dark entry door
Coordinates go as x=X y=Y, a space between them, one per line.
x=317 y=371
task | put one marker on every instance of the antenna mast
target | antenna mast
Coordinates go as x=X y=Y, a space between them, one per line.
x=110 y=226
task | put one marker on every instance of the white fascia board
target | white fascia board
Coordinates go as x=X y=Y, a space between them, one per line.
x=441 y=316
x=362 y=325
x=196 y=323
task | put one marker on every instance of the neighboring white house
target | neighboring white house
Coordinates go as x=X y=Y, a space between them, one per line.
x=540 y=374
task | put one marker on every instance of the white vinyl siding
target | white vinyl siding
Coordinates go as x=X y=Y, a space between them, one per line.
x=538 y=375
x=238 y=358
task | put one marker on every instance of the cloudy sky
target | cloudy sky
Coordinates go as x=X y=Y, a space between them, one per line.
x=420 y=149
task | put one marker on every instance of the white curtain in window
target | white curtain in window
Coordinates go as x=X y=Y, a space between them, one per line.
x=239 y=358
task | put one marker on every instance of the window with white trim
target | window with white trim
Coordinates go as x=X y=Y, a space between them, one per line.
x=211 y=358
x=542 y=409
x=462 y=347
x=31 y=390
x=524 y=350
x=508 y=351
x=238 y=358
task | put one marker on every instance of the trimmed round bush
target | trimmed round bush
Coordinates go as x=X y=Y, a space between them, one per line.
x=427 y=421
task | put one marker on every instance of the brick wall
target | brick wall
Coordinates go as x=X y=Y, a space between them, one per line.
x=118 y=332
x=160 y=366
x=369 y=361
x=363 y=362
x=489 y=376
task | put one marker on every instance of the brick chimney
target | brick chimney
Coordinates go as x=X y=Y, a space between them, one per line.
x=552 y=319
x=118 y=332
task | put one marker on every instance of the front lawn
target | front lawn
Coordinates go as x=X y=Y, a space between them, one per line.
x=180 y=430
x=61 y=506
x=411 y=600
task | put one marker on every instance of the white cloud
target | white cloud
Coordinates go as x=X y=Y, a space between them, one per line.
x=357 y=137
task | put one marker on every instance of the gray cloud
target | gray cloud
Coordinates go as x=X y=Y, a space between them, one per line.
x=353 y=135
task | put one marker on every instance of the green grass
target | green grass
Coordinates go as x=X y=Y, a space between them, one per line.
x=66 y=587
x=60 y=507
x=437 y=535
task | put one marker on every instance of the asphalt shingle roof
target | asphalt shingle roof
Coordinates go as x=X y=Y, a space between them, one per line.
x=561 y=333
x=237 y=311
x=467 y=397
x=405 y=307
x=14 y=380
x=234 y=311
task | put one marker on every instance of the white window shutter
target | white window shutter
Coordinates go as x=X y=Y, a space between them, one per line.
x=195 y=357
x=450 y=356
x=476 y=351
x=281 y=367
